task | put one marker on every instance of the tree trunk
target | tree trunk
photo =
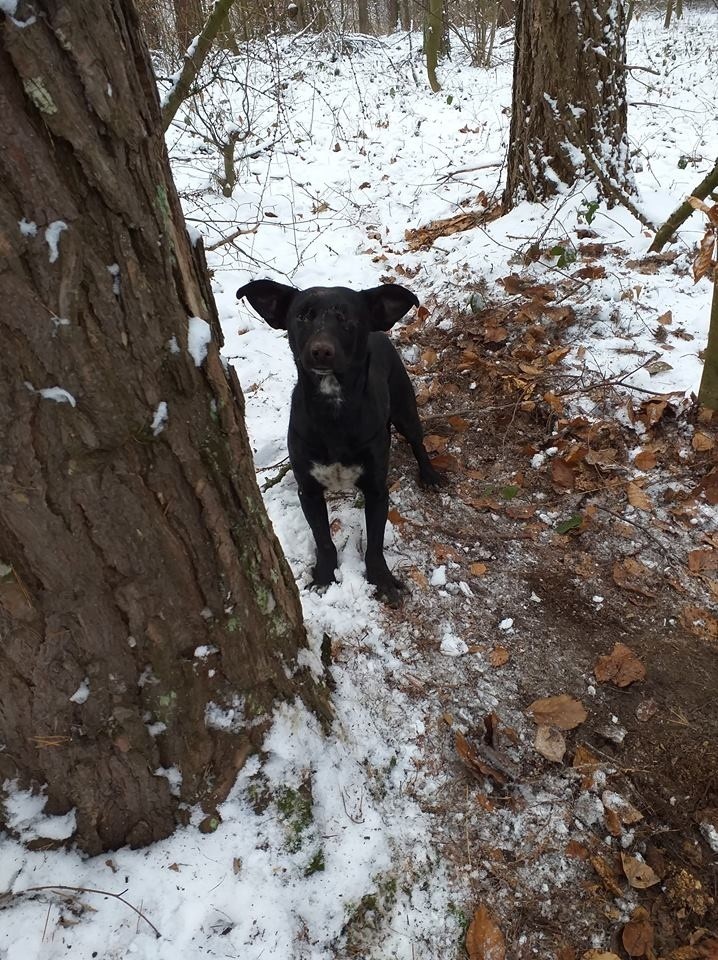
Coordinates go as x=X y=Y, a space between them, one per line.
x=363 y=16
x=708 y=393
x=188 y=21
x=669 y=14
x=405 y=15
x=569 y=96
x=392 y=15
x=505 y=13
x=433 y=29
x=149 y=621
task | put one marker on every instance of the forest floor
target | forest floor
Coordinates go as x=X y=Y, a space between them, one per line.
x=572 y=555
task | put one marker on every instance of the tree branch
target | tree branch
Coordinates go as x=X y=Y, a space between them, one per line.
x=679 y=216
x=193 y=60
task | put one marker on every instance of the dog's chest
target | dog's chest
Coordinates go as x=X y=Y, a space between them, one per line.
x=336 y=477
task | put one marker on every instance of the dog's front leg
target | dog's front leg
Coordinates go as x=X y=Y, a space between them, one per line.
x=376 y=500
x=311 y=498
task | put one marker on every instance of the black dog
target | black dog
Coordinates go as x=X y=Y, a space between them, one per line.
x=351 y=386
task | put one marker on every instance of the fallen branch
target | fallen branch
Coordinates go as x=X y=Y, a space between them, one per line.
x=679 y=216
x=240 y=232
x=102 y=893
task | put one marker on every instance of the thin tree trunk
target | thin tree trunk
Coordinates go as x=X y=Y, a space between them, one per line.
x=194 y=58
x=708 y=393
x=433 y=28
x=149 y=621
x=679 y=216
x=363 y=16
x=392 y=15
x=188 y=21
x=669 y=14
x=569 y=96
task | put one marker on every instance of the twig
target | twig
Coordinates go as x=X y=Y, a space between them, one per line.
x=239 y=232
x=268 y=484
x=102 y=893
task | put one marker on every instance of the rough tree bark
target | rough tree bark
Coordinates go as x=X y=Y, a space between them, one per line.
x=708 y=392
x=569 y=97
x=140 y=579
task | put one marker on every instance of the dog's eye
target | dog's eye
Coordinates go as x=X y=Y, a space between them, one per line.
x=309 y=314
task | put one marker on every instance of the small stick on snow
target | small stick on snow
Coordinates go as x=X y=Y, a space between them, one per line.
x=102 y=893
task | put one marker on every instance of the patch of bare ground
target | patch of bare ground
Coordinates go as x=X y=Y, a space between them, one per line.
x=571 y=555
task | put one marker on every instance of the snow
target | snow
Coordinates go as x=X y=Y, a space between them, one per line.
x=199 y=335
x=52 y=238
x=58 y=394
x=82 y=693
x=24 y=815
x=28 y=228
x=8 y=7
x=160 y=418
x=246 y=889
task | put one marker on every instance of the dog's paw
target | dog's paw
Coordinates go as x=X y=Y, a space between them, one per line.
x=388 y=588
x=323 y=576
x=431 y=479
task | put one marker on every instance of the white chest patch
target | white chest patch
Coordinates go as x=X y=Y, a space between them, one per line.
x=329 y=386
x=335 y=476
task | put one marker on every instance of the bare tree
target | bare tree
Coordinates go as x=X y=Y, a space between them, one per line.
x=142 y=589
x=569 y=97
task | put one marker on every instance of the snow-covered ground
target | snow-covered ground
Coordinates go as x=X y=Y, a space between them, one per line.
x=356 y=150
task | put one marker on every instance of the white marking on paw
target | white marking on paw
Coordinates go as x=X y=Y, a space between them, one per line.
x=336 y=477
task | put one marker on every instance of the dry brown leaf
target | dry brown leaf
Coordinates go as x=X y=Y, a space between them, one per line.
x=586 y=764
x=599 y=955
x=395 y=518
x=562 y=474
x=637 y=498
x=625 y=811
x=419 y=578
x=702 y=442
x=621 y=667
x=555 y=355
x=613 y=822
x=703 y=263
x=700 y=622
x=446 y=461
x=484 y=939
x=591 y=272
x=550 y=743
x=428 y=357
x=478 y=569
x=666 y=319
x=700 y=560
x=499 y=656
x=434 y=443
x=495 y=334
x=637 y=935
x=645 y=460
x=640 y=875
x=560 y=711
x=576 y=850
x=652 y=411
x=630 y=574
x=459 y=424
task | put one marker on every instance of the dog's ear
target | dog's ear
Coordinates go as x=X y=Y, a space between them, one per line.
x=271 y=300
x=388 y=303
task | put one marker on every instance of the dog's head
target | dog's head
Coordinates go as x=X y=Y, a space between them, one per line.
x=328 y=327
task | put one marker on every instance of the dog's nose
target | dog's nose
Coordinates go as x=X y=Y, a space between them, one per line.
x=322 y=353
